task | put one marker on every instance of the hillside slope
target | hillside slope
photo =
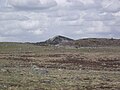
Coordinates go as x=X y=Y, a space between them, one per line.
x=96 y=42
x=57 y=40
x=88 y=42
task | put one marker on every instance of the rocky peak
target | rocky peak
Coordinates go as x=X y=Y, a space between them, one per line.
x=58 y=40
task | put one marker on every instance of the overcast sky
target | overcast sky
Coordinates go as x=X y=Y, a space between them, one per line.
x=37 y=20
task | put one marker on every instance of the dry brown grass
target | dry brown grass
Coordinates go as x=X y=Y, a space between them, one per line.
x=68 y=69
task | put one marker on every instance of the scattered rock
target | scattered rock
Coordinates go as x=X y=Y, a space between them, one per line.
x=47 y=81
x=38 y=70
x=4 y=70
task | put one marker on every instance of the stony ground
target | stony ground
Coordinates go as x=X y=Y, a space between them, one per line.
x=29 y=67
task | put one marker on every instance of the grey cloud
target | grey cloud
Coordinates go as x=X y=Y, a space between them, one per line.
x=13 y=28
x=10 y=16
x=76 y=4
x=31 y=4
x=111 y=6
x=70 y=18
x=98 y=17
x=37 y=20
x=62 y=13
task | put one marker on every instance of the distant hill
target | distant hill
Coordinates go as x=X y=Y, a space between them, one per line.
x=65 y=41
x=88 y=42
x=57 y=40
x=95 y=42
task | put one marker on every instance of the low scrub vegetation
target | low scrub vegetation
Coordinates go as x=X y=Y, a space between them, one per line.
x=29 y=67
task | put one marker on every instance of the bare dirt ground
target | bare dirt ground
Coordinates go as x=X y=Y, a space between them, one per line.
x=29 y=67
